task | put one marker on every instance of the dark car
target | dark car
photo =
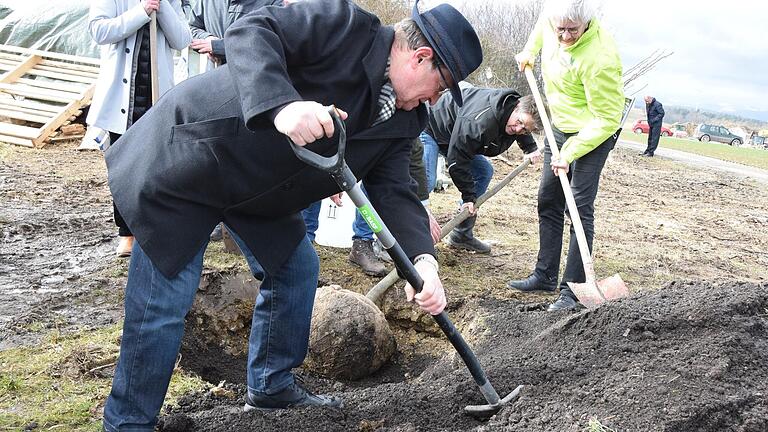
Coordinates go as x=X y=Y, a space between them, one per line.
x=641 y=126
x=707 y=132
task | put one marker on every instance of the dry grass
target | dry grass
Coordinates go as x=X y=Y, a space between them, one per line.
x=656 y=222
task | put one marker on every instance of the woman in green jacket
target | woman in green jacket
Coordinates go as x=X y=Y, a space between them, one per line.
x=583 y=85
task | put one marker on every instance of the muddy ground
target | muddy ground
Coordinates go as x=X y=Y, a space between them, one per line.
x=687 y=352
x=689 y=357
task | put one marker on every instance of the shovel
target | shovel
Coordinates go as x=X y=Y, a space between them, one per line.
x=345 y=179
x=381 y=288
x=153 y=57
x=590 y=293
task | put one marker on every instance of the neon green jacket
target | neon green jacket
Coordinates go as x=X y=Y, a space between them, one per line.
x=583 y=85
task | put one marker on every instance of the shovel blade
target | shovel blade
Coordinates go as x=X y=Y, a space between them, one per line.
x=589 y=293
x=484 y=412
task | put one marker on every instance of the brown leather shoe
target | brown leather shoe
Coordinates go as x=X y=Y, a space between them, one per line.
x=125 y=247
x=363 y=255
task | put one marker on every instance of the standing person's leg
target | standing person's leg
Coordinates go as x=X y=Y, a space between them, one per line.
x=360 y=228
x=653 y=139
x=280 y=330
x=125 y=245
x=362 y=253
x=311 y=217
x=648 y=145
x=482 y=171
x=418 y=172
x=551 y=211
x=585 y=179
x=430 y=159
x=463 y=236
x=122 y=227
x=155 y=307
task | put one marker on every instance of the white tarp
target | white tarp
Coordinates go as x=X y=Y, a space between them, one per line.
x=59 y=26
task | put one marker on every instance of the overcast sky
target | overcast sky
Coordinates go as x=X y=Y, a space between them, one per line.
x=720 y=60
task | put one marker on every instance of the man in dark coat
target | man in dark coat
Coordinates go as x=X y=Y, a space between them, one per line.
x=655 y=113
x=215 y=149
x=487 y=124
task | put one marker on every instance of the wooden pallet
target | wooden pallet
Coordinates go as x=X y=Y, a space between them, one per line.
x=41 y=91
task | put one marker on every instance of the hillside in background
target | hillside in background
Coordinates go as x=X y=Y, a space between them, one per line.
x=680 y=114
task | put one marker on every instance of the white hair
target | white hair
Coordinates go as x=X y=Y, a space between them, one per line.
x=578 y=11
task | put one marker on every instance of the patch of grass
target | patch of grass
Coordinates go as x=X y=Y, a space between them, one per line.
x=40 y=385
x=217 y=258
x=747 y=156
x=595 y=426
x=5 y=148
x=118 y=269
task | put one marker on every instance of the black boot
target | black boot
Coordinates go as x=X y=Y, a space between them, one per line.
x=566 y=301
x=533 y=283
x=462 y=237
x=292 y=396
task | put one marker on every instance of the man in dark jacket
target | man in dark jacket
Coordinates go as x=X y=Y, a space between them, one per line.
x=214 y=149
x=655 y=112
x=486 y=125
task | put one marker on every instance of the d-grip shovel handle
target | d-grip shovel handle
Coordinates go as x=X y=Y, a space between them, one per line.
x=340 y=172
x=333 y=165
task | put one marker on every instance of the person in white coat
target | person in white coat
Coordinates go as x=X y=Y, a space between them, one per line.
x=123 y=90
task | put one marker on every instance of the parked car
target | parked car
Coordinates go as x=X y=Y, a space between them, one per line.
x=679 y=131
x=707 y=132
x=641 y=126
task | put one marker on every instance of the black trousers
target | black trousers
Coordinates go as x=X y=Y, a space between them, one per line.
x=584 y=175
x=653 y=138
x=122 y=227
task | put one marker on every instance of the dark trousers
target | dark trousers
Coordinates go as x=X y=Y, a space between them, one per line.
x=653 y=138
x=584 y=176
x=122 y=227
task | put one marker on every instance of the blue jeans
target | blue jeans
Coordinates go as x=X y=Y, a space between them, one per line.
x=155 y=307
x=482 y=170
x=311 y=214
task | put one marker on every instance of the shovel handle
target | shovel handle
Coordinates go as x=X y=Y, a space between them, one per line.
x=380 y=288
x=330 y=163
x=573 y=211
x=154 y=79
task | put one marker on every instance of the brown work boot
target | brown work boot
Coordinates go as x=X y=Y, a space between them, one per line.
x=362 y=254
x=125 y=247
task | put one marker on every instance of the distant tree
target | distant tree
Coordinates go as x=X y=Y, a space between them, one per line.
x=389 y=11
x=503 y=29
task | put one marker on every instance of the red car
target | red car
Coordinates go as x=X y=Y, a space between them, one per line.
x=641 y=126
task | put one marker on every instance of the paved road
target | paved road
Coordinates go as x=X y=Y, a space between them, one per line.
x=757 y=174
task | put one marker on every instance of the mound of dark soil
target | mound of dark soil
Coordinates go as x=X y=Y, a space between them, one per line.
x=690 y=357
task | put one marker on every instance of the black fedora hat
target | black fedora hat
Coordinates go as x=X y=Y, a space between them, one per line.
x=453 y=39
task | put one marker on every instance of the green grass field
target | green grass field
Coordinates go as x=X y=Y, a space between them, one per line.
x=58 y=384
x=747 y=156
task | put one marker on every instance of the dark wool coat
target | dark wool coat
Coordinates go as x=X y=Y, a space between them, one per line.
x=208 y=151
x=475 y=128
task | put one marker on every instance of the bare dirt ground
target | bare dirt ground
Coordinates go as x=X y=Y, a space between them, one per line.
x=686 y=353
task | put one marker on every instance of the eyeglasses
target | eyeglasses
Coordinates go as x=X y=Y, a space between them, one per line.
x=443 y=82
x=524 y=130
x=573 y=31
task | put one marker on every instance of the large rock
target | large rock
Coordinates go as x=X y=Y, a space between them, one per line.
x=349 y=337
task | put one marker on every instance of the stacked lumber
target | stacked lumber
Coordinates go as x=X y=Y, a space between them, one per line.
x=40 y=92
